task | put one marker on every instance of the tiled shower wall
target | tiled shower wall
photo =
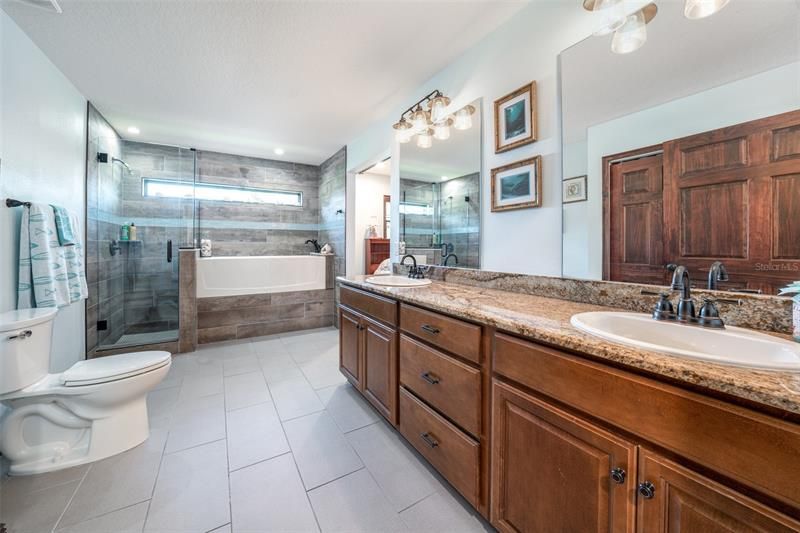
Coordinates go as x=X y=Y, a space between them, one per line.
x=459 y=218
x=104 y=272
x=332 y=199
x=257 y=229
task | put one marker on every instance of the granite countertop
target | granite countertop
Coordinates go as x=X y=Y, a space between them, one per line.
x=548 y=320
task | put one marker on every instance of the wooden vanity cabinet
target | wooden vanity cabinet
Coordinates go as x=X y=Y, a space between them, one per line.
x=552 y=471
x=547 y=449
x=368 y=349
x=683 y=500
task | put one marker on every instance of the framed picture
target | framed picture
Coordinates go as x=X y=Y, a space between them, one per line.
x=518 y=185
x=574 y=190
x=515 y=119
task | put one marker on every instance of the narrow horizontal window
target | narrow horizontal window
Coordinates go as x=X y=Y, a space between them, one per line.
x=219 y=193
x=411 y=208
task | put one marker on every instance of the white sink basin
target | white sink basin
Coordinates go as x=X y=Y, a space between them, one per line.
x=731 y=346
x=397 y=281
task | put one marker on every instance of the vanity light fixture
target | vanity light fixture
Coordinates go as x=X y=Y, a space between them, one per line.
x=429 y=119
x=441 y=129
x=463 y=118
x=630 y=30
x=425 y=138
x=403 y=131
x=631 y=35
x=700 y=9
x=438 y=108
x=420 y=118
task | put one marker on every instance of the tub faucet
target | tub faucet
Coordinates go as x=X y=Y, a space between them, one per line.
x=716 y=273
x=317 y=247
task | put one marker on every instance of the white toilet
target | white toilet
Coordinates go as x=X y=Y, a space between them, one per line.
x=95 y=409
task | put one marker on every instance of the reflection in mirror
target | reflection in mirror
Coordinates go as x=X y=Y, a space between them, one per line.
x=440 y=198
x=691 y=149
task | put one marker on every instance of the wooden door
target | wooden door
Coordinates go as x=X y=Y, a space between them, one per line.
x=733 y=195
x=380 y=368
x=552 y=471
x=635 y=220
x=350 y=346
x=684 y=501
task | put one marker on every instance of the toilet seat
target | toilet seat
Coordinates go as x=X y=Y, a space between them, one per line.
x=113 y=368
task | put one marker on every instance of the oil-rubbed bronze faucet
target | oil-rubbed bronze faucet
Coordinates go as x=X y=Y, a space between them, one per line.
x=682 y=282
x=414 y=272
x=716 y=273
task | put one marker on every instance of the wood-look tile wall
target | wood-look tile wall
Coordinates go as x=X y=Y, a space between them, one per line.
x=238 y=317
x=332 y=198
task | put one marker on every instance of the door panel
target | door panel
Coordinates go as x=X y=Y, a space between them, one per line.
x=349 y=346
x=380 y=368
x=636 y=220
x=684 y=501
x=543 y=458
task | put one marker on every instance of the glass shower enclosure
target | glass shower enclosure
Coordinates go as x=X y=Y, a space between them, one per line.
x=134 y=232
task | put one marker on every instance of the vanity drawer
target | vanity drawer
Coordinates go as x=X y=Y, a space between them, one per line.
x=456 y=336
x=449 y=385
x=372 y=305
x=454 y=455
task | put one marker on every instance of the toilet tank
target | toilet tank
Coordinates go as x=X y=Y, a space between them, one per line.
x=25 y=337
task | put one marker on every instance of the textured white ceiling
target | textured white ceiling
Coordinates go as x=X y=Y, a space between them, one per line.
x=248 y=76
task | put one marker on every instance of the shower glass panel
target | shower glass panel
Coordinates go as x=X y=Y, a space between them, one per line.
x=138 y=270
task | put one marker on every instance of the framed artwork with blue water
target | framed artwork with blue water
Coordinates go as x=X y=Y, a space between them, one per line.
x=515 y=119
x=518 y=185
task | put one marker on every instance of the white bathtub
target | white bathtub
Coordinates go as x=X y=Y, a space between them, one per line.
x=232 y=276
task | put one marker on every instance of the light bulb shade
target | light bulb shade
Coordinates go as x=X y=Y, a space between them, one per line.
x=438 y=108
x=419 y=119
x=403 y=131
x=441 y=131
x=425 y=138
x=699 y=9
x=463 y=118
x=630 y=36
x=610 y=14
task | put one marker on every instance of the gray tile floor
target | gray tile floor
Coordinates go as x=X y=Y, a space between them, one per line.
x=256 y=436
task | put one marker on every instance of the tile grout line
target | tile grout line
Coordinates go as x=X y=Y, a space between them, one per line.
x=158 y=473
x=72 y=497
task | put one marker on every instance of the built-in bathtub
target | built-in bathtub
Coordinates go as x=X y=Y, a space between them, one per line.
x=234 y=276
x=249 y=296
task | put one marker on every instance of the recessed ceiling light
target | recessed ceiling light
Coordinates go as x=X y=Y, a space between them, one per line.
x=134 y=130
x=445 y=178
x=279 y=151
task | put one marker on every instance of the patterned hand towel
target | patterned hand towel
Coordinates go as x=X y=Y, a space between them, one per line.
x=50 y=275
x=66 y=237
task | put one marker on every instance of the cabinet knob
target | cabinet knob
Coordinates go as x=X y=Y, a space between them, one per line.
x=430 y=441
x=647 y=490
x=430 y=329
x=618 y=476
x=430 y=378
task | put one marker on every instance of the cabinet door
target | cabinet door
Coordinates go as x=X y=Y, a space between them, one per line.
x=380 y=368
x=552 y=471
x=350 y=346
x=679 y=500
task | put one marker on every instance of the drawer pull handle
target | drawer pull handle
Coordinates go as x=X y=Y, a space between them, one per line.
x=647 y=490
x=618 y=476
x=430 y=329
x=430 y=441
x=430 y=378
x=21 y=336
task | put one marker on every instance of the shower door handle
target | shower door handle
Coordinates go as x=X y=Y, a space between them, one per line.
x=169 y=251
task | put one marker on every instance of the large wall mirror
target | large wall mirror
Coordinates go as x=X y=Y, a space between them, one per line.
x=440 y=197
x=690 y=148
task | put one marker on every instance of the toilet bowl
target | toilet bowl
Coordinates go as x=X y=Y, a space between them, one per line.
x=95 y=409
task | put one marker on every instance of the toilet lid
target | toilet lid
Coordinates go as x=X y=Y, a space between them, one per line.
x=113 y=367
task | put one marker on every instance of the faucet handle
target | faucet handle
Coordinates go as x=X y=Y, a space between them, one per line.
x=709 y=314
x=664 y=309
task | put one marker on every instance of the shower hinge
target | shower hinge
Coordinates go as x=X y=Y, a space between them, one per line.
x=102 y=157
x=102 y=325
